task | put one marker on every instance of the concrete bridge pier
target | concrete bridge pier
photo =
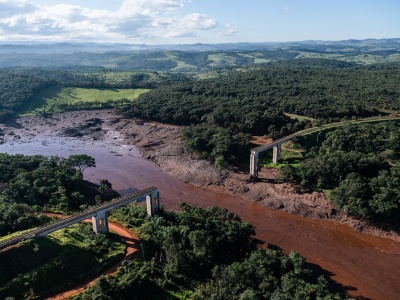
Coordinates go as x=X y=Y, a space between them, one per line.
x=153 y=202
x=100 y=222
x=276 y=153
x=254 y=164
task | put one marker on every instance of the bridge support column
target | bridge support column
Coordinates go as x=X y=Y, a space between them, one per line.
x=100 y=222
x=276 y=152
x=153 y=202
x=254 y=164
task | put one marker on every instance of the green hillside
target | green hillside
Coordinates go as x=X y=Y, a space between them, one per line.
x=56 y=99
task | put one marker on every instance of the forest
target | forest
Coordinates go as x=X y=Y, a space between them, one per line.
x=222 y=112
x=357 y=166
x=212 y=254
x=18 y=87
x=219 y=115
x=195 y=253
x=205 y=254
x=32 y=184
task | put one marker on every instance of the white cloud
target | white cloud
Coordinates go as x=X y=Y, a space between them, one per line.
x=189 y=25
x=10 y=8
x=229 y=31
x=134 y=20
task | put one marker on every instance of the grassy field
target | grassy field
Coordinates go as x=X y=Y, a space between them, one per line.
x=287 y=157
x=55 y=99
x=298 y=117
x=116 y=77
x=364 y=59
x=221 y=58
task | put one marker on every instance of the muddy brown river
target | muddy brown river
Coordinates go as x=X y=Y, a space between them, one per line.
x=361 y=265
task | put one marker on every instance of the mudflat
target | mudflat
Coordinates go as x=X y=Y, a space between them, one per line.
x=358 y=259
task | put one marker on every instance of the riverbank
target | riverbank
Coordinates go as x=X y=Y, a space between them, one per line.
x=354 y=263
x=163 y=145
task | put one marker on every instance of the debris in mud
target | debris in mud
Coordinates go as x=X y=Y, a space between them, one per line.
x=163 y=145
x=72 y=132
x=91 y=128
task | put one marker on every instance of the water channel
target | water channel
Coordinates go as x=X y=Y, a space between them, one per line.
x=359 y=264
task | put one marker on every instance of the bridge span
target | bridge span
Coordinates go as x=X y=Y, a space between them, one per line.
x=276 y=149
x=98 y=215
x=276 y=145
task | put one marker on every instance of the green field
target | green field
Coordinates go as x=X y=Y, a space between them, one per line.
x=55 y=99
x=298 y=117
x=116 y=77
x=287 y=157
x=363 y=58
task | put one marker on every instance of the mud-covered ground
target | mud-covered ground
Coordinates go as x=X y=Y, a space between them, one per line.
x=163 y=144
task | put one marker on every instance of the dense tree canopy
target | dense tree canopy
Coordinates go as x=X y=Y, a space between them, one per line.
x=359 y=164
x=317 y=88
x=254 y=100
x=17 y=86
x=29 y=184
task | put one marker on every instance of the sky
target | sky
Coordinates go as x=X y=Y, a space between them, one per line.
x=197 y=21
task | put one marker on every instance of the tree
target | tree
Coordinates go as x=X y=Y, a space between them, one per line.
x=105 y=185
x=81 y=162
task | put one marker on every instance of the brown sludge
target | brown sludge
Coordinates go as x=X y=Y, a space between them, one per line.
x=361 y=263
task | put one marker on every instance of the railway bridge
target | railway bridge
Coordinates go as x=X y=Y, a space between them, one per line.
x=276 y=145
x=276 y=150
x=98 y=215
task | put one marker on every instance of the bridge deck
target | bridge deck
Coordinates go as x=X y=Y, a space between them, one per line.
x=254 y=152
x=46 y=229
x=285 y=139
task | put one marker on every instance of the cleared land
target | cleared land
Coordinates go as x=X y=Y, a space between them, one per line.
x=55 y=99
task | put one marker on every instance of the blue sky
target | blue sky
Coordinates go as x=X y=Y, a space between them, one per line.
x=197 y=21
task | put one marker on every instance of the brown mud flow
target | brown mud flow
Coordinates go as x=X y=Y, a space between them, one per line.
x=359 y=264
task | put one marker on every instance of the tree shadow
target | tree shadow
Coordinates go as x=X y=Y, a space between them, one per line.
x=13 y=123
x=132 y=242
x=267 y=180
x=333 y=285
x=385 y=225
x=39 y=100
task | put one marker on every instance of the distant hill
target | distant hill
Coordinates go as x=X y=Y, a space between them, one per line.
x=191 y=57
x=45 y=48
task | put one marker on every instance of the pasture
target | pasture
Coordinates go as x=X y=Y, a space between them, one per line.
x=55 y=99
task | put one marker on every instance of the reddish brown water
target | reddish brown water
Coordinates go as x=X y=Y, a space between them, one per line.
x=359 y=264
